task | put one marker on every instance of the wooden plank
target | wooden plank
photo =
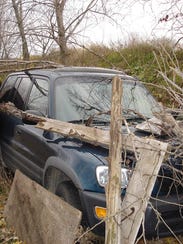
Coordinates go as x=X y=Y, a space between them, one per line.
x=9 y=108
x=95 y=136
x=113 y=189
x=38 y=216
x=140 y=187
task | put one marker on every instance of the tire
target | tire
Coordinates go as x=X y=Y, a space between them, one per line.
x=59 y=184
x=69 y=193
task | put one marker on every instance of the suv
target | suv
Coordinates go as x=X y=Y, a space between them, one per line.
x=70 y=168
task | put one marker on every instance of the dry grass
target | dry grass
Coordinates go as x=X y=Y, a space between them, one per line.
x=7 y=235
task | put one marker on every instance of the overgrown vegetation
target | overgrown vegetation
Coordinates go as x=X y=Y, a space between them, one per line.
x=143 y=59
x=139 y=58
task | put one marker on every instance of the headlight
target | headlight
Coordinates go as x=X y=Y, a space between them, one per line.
x=102 y=176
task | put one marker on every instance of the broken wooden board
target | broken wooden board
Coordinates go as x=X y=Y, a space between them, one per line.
x=140 y=187
x=38 y=216
x=92 y=135
x=153 y=126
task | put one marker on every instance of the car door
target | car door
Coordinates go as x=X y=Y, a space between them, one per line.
x=30 y=143
x=15 y=90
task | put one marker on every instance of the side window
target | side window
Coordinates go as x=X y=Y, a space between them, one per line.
x=23 y=87
x=38 y=99
x=7 y=87
x=15 y=90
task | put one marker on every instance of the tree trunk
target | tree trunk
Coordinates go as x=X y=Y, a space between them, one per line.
x=17 y=6
x=61 y=40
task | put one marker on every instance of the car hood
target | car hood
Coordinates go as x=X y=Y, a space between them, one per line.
x=151 y=126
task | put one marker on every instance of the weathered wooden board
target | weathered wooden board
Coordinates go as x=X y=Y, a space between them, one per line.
x=95 y=136
x=113 y=188
x=140 y=187
x=38 y=216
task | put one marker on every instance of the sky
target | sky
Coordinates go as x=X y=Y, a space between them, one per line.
x=141 y=20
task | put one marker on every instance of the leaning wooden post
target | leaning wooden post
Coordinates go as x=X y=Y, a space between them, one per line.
x=113 y=189
x=150 y=154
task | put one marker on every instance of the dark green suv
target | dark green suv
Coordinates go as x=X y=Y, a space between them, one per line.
x=70 y=168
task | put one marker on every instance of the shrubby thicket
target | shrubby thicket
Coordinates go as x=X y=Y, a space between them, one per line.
x=142 y=59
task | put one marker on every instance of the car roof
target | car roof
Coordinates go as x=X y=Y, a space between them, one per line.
x=76 y=70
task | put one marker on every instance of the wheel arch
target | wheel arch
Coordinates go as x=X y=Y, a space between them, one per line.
x=64 y=168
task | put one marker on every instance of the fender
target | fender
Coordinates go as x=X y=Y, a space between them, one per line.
x=61 y=165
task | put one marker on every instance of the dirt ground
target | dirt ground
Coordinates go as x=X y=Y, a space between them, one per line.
x=7 y=236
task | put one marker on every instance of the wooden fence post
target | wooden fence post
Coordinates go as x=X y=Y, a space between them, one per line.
x=113 y=189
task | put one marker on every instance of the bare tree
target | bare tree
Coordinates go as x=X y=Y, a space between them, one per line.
x=64 y=20
x=3 y=50
x=60 y=38
x=1 y=25
x=7 y=31
x=17 y=6
x=173 y=17
x=39 y=25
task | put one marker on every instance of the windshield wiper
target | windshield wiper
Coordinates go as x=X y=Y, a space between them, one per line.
x=130 y=114
x=77 y=121
x=100 y=122
x=85 y=122
x=134 y=118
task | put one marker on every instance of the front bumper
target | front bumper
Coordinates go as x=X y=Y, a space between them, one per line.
x=168 y=220
x=164 y=216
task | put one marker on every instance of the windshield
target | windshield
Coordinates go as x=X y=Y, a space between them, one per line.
x=78 y=98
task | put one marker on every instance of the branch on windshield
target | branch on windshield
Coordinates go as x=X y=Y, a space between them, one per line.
x=126 y=112
x=90 y=119
x=136 y=115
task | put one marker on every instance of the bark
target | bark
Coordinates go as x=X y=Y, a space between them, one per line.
x=61 y=39
x=17 y=6
x=3 y=50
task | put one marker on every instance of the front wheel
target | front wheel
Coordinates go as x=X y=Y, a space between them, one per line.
x=69 y=193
